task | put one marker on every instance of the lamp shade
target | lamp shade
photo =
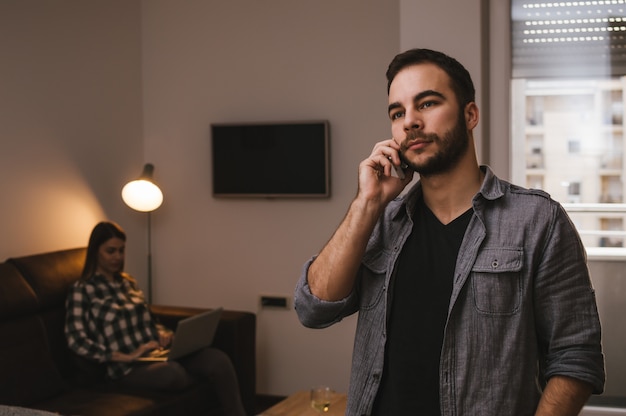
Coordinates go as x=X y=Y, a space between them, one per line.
x=143 y=194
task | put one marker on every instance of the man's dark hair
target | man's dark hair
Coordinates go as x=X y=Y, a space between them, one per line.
x=461 y=81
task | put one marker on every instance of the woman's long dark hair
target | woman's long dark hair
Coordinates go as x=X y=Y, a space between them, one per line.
x=102 y=232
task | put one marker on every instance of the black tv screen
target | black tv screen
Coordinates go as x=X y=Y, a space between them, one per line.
x=272 y=160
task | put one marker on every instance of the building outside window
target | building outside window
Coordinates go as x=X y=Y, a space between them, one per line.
x=568 y=94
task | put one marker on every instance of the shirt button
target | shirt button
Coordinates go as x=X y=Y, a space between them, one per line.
x=494 y=264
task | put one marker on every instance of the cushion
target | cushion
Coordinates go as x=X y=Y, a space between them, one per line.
x=29 y=374
x=16 y=296
x=51 y=274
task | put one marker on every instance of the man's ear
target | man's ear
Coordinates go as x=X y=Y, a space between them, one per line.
x=471 y=115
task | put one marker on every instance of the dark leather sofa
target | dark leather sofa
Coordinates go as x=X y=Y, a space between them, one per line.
x=38 y=371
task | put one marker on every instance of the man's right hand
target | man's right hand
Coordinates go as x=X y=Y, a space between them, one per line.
x=376 y=182
x=332 y=274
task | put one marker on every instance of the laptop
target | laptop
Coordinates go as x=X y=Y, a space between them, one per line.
x=191 y=334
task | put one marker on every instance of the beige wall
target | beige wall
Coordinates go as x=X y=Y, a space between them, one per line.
x=94 y=89
x=89 y=91
x=453 y=27
x=70 y=122
x=208 y=62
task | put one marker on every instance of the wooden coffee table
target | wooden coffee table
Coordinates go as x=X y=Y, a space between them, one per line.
x=299 y=404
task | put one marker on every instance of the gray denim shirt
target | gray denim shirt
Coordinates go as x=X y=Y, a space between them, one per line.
x=522 y=307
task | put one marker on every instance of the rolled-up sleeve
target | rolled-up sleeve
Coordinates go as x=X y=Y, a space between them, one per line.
x=314 y=312
x=567 y=315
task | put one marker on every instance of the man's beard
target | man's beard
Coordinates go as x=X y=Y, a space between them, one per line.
x=451 y=148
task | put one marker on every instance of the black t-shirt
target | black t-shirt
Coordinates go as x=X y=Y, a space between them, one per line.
x=420 y=293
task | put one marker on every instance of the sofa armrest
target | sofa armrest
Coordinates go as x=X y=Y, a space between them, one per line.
x=236 y=336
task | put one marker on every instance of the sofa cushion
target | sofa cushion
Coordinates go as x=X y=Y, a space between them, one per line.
x=86 y=372
x=108 y=399
x=51 y=274
x=29 y=375
x=37 y=370
x=16 y=297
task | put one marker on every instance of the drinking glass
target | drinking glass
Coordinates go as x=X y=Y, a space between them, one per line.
x=320 y=398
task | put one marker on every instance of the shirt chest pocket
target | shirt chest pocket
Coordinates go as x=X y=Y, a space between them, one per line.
x=372 y=286
x=496 y=280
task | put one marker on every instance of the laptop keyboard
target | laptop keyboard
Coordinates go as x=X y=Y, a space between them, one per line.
x=158 y=353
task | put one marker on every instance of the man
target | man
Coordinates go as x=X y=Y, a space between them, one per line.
x=473 y=294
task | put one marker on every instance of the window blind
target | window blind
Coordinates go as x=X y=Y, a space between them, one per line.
x=568 y=39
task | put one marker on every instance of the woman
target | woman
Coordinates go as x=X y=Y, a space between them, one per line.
x=108 y=321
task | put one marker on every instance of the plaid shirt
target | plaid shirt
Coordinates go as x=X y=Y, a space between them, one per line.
x=103 y=317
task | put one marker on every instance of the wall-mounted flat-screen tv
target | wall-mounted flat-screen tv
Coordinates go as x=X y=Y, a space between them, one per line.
x=271 y=160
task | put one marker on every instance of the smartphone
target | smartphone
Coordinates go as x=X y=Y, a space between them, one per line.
x=399 y=170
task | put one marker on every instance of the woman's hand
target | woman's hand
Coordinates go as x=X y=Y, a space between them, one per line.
x=166 y=337
x=127 y=358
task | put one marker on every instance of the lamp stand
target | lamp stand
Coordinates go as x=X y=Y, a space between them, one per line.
x=149 y=258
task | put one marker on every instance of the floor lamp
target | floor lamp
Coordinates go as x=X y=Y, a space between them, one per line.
x=143 y=195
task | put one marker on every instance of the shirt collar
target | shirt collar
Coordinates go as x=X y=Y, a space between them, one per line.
x=491 y=189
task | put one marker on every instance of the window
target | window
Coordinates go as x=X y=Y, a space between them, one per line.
x=573 y=146
x=568 y=93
